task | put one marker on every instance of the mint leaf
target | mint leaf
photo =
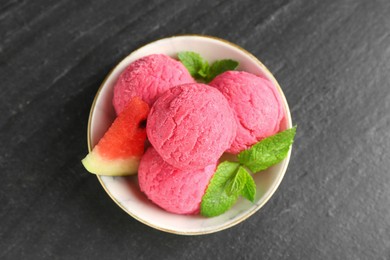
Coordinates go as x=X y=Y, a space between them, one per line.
x=200 y=69
x=194 y=63
x=249 y=190
x=237 y=183
x=219 y=67
x=204 y=71
x=268 y=151
x=216 y=200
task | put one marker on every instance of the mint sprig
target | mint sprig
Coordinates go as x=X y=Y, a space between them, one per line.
x=194 y=63
x=232 y=179
x=237 y=183
x=267 y=152
x=249 y=190
x=200 y=69
x=216 y=200
x=219 y=67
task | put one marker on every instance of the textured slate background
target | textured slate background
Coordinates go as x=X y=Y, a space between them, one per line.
x=332 y=59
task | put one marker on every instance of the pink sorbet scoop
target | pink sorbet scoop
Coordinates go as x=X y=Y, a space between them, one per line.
x=257 y=105
x=148 y=78
x=176 y=191
x=191 y=126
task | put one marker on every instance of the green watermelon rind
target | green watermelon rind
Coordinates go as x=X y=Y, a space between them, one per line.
x=96 y=164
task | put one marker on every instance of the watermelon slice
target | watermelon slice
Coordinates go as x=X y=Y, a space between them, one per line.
x=120 y=150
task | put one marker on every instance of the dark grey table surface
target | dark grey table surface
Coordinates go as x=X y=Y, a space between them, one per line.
x=332 y=59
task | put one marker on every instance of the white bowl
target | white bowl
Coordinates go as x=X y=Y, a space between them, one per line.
x=125 y=191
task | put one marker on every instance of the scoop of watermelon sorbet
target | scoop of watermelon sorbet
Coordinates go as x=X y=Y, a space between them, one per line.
x=191 y=126
x=177 y=191
x=256 y=103
x=148 y=78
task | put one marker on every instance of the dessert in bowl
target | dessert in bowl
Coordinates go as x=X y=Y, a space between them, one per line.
x=125 y=191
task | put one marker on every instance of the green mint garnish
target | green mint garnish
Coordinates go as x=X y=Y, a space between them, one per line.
x=200 y=69
x=219 y=67
x=232 y=179
x=249 y=190
x=268 y=152
x=194 y=63
x=216 y=200
x=237 y=183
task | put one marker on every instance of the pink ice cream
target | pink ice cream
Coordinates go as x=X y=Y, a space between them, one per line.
x=148 y=78
x=257 y=105
x=176 y=191
x=191 y=126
